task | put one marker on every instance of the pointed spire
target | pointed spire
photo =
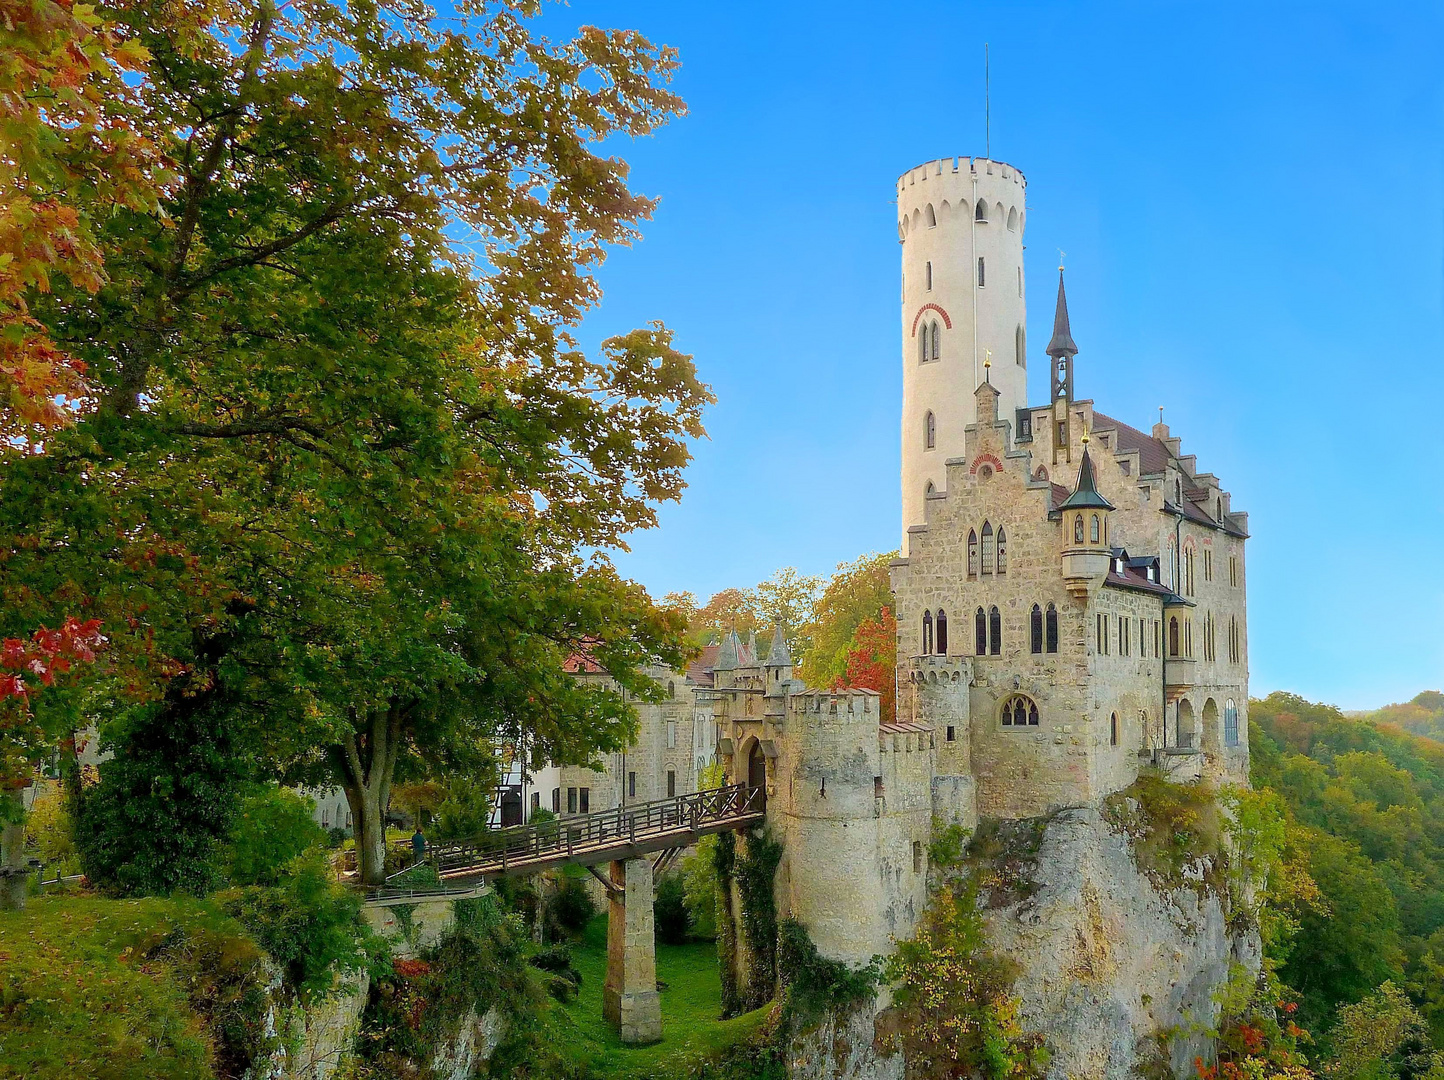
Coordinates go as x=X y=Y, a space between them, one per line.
x=748 y=655
x=778 y=655
x=727 y=655
x=1085 y=496
x=1062 y=343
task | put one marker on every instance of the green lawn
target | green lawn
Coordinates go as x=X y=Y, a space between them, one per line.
x=88 y=987
x=691 y=1004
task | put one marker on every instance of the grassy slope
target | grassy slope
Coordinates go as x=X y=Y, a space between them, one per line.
x=79 y=997
x=691 y=1004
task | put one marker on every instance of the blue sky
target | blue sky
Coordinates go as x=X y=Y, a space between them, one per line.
x=1252 y=202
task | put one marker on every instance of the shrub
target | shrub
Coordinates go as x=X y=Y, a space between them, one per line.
x=465 y=811
x=164 y=804
x=48 y=832
x=272 y=826
x=817 y=986
x=310 y=925
x=669 y=911
x=1176 y=830
x=699 y=876
x=571 y=906
x=556 y=957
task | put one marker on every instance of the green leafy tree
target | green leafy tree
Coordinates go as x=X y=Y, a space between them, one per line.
x=858 y=591
x=1383 y=1037
x=342 y=458
x=272 y=827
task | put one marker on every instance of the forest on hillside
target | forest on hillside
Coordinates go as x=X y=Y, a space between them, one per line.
x=1365 y=809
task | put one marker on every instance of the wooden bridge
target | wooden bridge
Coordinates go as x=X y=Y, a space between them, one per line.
x=625 y=838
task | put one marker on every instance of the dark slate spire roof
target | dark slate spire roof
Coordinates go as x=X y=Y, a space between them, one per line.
x=728 y=656
x=778 y=656
x=1062 y=343
x=1085 y=496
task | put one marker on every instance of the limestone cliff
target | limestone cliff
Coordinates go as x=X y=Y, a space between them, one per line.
x=1117 y=971
x=1118 y=974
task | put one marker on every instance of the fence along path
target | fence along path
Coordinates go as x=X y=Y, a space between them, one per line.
x=624 y=833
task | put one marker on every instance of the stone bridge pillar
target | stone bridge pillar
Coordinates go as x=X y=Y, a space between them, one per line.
x=629 y=995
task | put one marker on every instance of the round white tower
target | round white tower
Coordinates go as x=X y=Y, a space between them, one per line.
x=960 y=224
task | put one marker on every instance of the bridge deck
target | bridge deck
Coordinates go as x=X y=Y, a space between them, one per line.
x=624 y=833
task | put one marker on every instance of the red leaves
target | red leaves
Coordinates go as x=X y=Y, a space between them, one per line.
x=48 y=653
x=411 y=969
x=872 y=659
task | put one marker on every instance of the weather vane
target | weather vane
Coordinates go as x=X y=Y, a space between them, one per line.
x=1061 y=255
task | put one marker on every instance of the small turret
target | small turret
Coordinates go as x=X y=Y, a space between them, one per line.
x=1085 y=512
x=728 y=655
x=778 y=664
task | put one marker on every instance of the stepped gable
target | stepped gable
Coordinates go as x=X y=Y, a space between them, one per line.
x=1152 y=454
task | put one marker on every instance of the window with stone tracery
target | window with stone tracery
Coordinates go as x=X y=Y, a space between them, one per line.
x=1019 y=711
x=988 y=548
x=972 y=553
x=1002 y=551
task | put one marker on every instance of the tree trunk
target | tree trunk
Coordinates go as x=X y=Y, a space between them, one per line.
x=14 y=873
x=366 y=762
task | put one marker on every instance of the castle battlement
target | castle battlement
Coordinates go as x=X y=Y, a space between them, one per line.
x=960 y=166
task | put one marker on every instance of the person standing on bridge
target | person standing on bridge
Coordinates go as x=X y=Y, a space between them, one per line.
x=418 y=844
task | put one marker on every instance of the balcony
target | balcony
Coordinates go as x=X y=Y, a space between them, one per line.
x=1179 y=675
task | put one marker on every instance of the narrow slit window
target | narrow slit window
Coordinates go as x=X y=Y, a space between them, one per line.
x=930 y=276
x=1052 y=629
x=942 y=632
x=927 y=633
x=980 y=632
x=995 y=631
x=1035 y=627
x=982 y=273
x=930 y=432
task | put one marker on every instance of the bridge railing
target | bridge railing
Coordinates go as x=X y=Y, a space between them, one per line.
x=562 y=837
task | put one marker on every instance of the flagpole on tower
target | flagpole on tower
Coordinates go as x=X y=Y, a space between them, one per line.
x=987 y=106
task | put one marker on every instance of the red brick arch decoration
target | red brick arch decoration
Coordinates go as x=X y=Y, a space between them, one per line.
x=947 y=320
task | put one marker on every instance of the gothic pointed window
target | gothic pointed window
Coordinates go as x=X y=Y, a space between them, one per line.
x=923 y=344
x=981 y=213
x=980 y=632
x=927 y=633
x=1002 y=551
x=1035 y=625
x=1052 y=629
x=1078 y=529
x=972 y=553
x=1093 y=532
x=987 y=547
x=932 y=216
x=995 y=631
x=942 y=632
x=1230 y=723
x=930 y=432
x=1019 y=711
x=929 y=491
x=1173 y=637
x=937 y=341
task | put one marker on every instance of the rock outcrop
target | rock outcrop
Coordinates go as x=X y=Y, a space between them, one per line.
x=1119 y=974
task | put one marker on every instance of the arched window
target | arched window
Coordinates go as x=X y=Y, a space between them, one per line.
x=927 y=633
x=982 y=274
x=942 y=633
x=1230 y=723
x=1018 y=347
x=1002 y=551
x=1052 y=629
x=1019 y=711
x=930 y=431
x=972 y=553
x=1078 y=529
x=930 y=276
x=1036 y=629
x=1113 y=730
x=980 y=632
x=929 y=491
x=1093 y=534
x=923 y=344
x=671 y=690
x=995 y=631
x=1012 y=219
x=1173 y=636
x=932 y=217
x=987 y=547
x=1041 y=474
x=981 y=212
x=937 y=341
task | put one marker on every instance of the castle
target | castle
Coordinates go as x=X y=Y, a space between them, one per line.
x=1070 y=600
